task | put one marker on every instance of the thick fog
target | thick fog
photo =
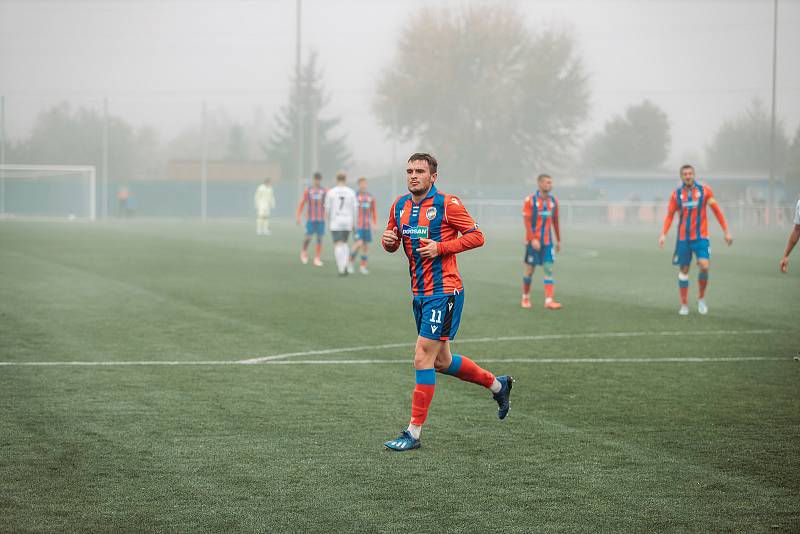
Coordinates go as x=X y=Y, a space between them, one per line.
x=157 y=62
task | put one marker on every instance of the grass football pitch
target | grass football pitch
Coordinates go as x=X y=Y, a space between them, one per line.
x=624 y=417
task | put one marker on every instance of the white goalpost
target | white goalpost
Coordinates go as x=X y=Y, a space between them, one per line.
x=48 y=192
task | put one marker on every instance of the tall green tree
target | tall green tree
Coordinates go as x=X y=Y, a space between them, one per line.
x=67 y=136
x=491 y=99
x=237 y=144
x=743 y=143
x=311 y=99
x=638 y=140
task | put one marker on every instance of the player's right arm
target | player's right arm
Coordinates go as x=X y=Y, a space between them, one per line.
x=303 y=201
x=527 y=218
x=671 y=209
x=794 y=237
x=390 y=240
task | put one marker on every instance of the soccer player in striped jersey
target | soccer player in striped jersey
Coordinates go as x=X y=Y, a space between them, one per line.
x=690 y=201
x=540 y=214
x=366 y=217
x=432 y=227
x=314 y=202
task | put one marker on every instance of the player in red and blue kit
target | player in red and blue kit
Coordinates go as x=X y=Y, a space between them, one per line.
x=691 y=201
x=540 y=215
x=314 y=202
x=367 y=216
x=427 y=224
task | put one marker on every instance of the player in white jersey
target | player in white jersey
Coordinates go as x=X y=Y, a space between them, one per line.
x=265 y=202
x=793 y=238
x=341 y=206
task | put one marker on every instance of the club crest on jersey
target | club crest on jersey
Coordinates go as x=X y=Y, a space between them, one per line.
x=415 y=232
x=431 y=214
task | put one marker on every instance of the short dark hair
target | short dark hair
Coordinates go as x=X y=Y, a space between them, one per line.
x=542 y=177
x=318 y=176
x=341 y=176
x=424 y=156
x=685 y=166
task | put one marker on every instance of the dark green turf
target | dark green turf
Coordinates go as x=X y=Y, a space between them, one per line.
x=667 y=446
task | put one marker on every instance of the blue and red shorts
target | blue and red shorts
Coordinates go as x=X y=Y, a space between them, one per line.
x=364 y=235
x=438 y=316
x=539 y=257
x=315 y=227
x=684 y=250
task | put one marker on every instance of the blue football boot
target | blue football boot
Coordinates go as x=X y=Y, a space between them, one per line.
x=503 y=397
x=405 y=442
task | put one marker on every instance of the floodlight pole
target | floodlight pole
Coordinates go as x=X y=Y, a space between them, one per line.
x=299 y=96
x=104 y=205
x=394 y=151
x=2 y=154
x=771 y=208
x=204 y=168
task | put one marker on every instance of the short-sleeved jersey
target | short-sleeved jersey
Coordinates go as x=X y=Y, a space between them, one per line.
x=691 y=204
x=341 y=207
x=367 y=214
x=797 y=213
x=439 y=217
x=314 y=200
x=543 y=215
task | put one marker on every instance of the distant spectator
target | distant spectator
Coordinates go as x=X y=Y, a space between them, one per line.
x=265 y=202
x=123 y=196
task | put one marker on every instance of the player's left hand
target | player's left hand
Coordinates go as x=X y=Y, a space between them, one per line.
x=729 y=239
x=429 y=248
x=558 y=246
x=784 y=265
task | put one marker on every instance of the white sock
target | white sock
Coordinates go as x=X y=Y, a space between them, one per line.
x=341 y=257
x=496 y=386
x=414 y=430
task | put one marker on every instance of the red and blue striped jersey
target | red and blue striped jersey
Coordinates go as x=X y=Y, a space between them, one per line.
x=367 y=214
x=691 y=203
x=541 y=218
x=314 y=201
x=439 y=217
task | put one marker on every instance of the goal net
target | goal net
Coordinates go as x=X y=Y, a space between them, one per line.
x=47 y=192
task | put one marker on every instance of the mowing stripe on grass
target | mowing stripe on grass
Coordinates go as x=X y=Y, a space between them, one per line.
x=513 y=338
x=406 y=361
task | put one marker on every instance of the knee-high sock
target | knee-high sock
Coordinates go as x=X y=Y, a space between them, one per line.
x=363 y=260
x=423 y=395
x=340 y=252
x=702 y=283
x=526 y=285
x=306 y=241
x=465 y=369
x=549 y=282
x=318 y=250
x=683 y=287
x=549 y=288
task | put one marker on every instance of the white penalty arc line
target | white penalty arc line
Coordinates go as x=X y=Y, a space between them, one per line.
x=676 y=359
x=544 y=337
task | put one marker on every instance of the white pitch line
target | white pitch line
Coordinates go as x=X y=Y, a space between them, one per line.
x=676 y=359
x=544 y=337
